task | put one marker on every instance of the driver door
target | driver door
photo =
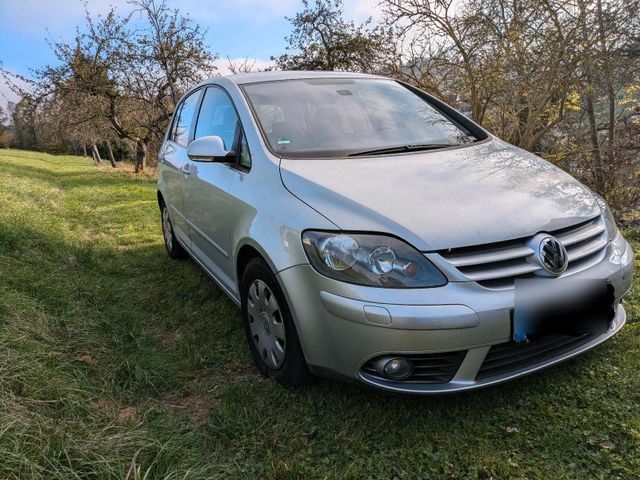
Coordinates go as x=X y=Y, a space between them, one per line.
x=211 y=208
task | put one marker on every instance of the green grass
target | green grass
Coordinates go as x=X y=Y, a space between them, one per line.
x=117 y=362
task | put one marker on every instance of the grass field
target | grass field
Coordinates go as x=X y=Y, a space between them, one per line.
x=117 y=362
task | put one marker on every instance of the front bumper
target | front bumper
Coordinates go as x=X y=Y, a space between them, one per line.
x=343 y=326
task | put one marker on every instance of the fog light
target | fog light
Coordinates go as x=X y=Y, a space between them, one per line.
x=397 y=368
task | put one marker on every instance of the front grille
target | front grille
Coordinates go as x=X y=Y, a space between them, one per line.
x=429 y=368
x=510 y=357
x=497 y=265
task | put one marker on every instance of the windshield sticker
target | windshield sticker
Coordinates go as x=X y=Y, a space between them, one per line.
x=283 y=141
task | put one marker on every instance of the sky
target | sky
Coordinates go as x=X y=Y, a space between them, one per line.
x=235 y=28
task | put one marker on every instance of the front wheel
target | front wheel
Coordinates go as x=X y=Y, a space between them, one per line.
x=269 y=326
x=174 y=249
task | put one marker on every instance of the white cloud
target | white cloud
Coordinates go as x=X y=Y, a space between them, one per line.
x=361 y=10
x=255 y=11
x=6 y=94
x=256 y=63
x=59 y=17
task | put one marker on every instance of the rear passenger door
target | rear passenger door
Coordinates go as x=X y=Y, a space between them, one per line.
x=174 y=161
x=212 y=209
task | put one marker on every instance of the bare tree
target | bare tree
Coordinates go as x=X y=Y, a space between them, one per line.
x=551 y=76
x=135 y=76
x=322 y=40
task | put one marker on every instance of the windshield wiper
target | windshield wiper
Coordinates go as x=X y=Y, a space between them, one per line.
x=404 y=148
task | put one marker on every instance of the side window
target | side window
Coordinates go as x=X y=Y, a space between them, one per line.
x=217 y=117
x=184 y=119
x=244 y=155
x=174 y=122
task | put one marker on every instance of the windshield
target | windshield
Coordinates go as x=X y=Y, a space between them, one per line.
x=338 y=117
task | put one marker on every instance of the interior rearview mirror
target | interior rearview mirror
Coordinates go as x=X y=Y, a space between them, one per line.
x=209 y=148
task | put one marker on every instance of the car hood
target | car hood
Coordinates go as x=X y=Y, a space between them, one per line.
x=442 y=199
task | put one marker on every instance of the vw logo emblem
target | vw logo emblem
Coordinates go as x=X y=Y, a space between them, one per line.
x=553 y=256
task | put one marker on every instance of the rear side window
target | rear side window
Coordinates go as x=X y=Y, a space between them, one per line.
x=184 y=119
x=217 y=117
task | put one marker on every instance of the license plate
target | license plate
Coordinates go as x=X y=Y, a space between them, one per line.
x=561 y=306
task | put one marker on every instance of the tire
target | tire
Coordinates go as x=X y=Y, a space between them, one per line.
x=271 y=332
x=174 y=249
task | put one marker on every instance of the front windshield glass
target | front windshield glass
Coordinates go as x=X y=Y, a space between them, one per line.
x=338 y=117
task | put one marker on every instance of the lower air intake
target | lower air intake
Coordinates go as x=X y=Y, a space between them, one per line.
x=509 y=357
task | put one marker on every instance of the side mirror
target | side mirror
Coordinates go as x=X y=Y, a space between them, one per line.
x=209 y=149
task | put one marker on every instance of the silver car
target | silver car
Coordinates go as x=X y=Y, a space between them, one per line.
x=370 y=232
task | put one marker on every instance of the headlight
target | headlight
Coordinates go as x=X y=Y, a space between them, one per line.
x=609 y=219
x=372 y=260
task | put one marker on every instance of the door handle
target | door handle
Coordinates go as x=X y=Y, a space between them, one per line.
x=186 y=169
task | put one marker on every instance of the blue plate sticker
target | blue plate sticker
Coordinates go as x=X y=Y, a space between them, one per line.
x=283 y=141
x=521 y=326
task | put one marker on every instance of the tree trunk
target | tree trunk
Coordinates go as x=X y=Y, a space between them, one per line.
x=610 y=167
x=596 y=157
x=141 y=155
x=96 y=153
x=611 y=96
x=84 y=150
x=589 y=95
x=111 y=159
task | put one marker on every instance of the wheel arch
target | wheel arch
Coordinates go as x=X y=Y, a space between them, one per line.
x=247 y=251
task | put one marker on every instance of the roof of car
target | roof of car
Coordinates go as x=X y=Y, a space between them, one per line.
x=275 y=75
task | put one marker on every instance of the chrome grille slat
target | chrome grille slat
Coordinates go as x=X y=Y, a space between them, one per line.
x=497 y=265
x=584 y=233
x=502 y=272
x=497 y=255
x=586 y=250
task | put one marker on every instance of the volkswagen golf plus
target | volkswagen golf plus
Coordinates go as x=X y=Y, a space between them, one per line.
x=370 y=232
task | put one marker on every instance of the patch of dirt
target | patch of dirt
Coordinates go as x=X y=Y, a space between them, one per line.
x=170 y=336
x=104 y=407
x=91 y=235
x=196 y=406
x=129 y=247
x=235 y=372
x=196 y=399
x=126 y=415
x=190 y=400
x=84 y=358
x=110 y=409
